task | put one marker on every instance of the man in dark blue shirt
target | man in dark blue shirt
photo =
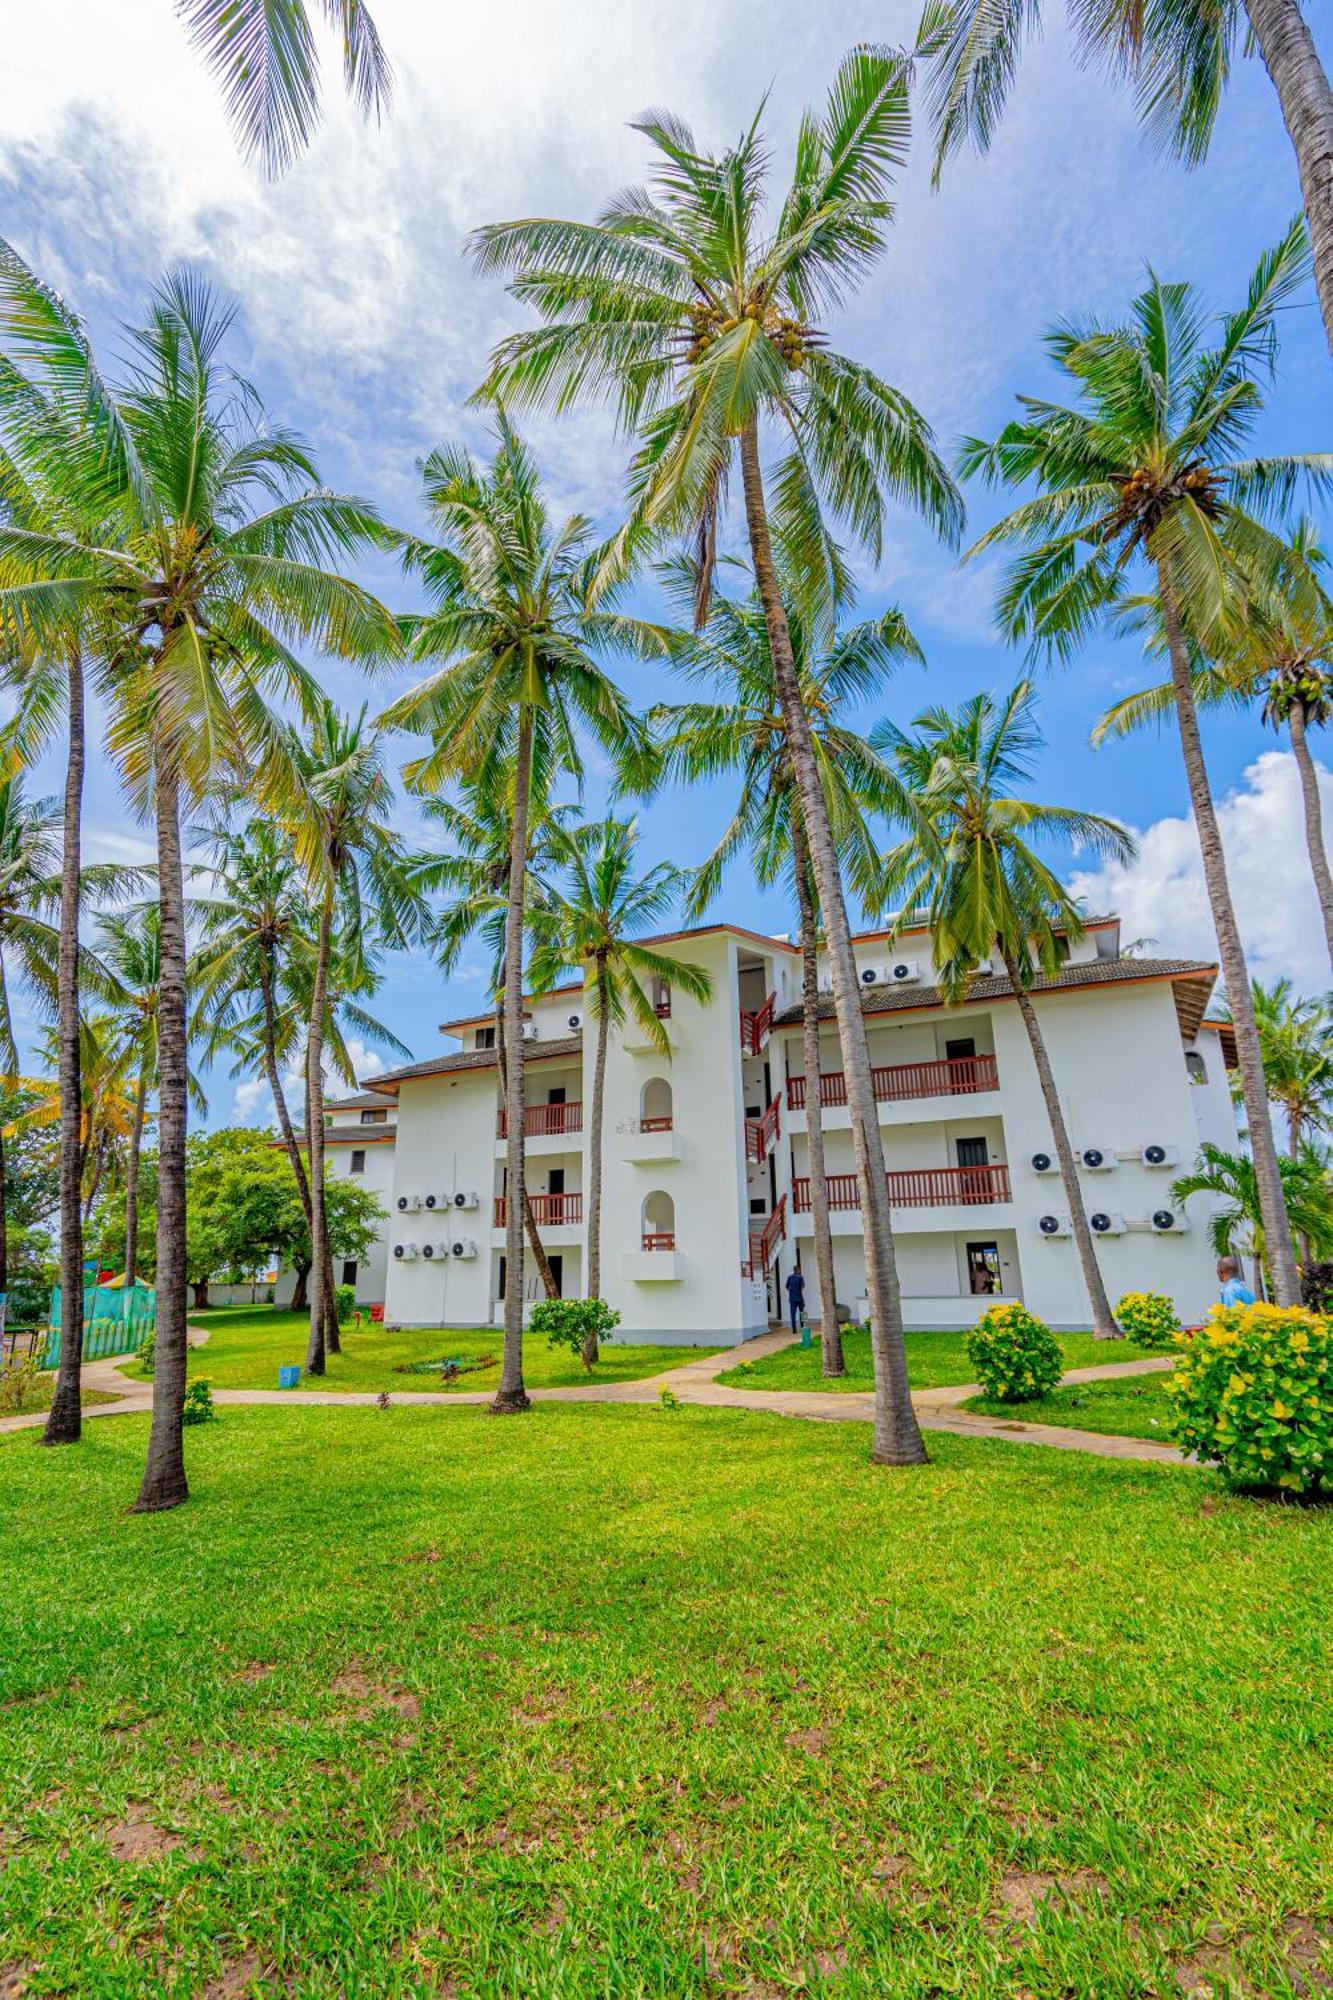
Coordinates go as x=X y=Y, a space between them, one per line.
x=796 y=1299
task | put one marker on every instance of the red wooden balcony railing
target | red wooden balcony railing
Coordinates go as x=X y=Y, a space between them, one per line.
x=766 y=1242
x=548 y=1209
x=539 y=1119
x=659 y=1239
x=662 y=1006
x=755 y=1027
x=664 y=1124
x=916 y=1187
x=761 y=1134
x=954 y=1076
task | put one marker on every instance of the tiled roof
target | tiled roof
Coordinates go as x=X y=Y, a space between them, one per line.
x=449 y=1065
x=1193 y=979
x=366 y=1101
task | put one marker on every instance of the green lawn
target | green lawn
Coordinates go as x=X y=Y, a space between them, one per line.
x=1136 y=1407
x=934 y=1361
x=641 y=1703
x=247 y=1344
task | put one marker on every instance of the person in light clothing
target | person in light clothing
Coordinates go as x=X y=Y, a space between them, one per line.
x=1235 y=1291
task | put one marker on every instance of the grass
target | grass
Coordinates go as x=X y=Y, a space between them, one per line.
x=1135 y=1407
x=247 y=1344
x=634 y=1702
x=43 y=1390
x=934 y=1361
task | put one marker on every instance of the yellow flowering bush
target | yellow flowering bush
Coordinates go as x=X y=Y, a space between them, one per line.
x=1252 y=1391
x=1015 y=1354
x=1148 y=1317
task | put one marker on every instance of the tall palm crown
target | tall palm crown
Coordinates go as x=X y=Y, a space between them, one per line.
x=253 y=920
x=968 y=861
x=1236 y=1219
x=1296 y=1036
x=694 y=309
x=1143 y=466
x=472 y=874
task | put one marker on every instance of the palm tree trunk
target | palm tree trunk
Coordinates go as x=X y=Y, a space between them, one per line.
x=1104 y=1326
x=63 y=1423
x=897 y=1436
x=1314 y=819
x=596 y=1116
x=1272 y=1203
x=4 y=1222
x=314 y=1097
x=511 y=1396
x=132 y=1183
x=271 y=1072
x=830 y=1333
x=530 y=1230
x=1292 y=61
x=164 y=1481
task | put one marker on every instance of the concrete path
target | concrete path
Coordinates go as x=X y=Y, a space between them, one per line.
x=696 y=1382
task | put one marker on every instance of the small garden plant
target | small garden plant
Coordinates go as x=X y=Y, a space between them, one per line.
x=578 y=1324
x=198 y=1405
x=1252 y=1393
x=146 y=1352
x=344 y=1303
x=1150 y=1318
x=19 y=1384
x=1016 y=1356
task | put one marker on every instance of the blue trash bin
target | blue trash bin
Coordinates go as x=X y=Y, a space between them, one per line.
x=288 y=1377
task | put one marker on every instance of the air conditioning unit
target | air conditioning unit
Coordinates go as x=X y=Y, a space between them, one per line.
x=874 y=975
x=529 y=1031
x=463 y=1246
x=1044 y=1163
x=434 y=1250
x=1053 y=1225
x=575 y=1024
x=1169 y=1222
x=1098 y=1159
x=467 y=1198
x=434 y=1201
x=408 y=1204
x=1103 y=1223
x=1160 y=1156
x=404 y=1253
x=904 y=971
x=985 y=968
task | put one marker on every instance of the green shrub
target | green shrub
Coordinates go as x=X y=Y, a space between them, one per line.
x=1016 y=1356
x=344 y=1301
x=19 y=1383
x=1252 y=1392
x=1148 y=1317
x=198 y=1405
x=572 y=1322
x=146 y=1352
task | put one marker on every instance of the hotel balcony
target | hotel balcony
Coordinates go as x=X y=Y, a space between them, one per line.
x=650 y=1141
x=549 y=1211
x=542 y=1121
x=915 y=1187
x=905 y=1083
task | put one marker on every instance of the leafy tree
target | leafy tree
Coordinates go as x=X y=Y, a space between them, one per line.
x=221 y=557
x=968 y=862
x=512 y=622
x=264 y=56
x=1138 y=474
x=1237 y=1221
x=596 y=922
x=741 y=732
x=695 y=310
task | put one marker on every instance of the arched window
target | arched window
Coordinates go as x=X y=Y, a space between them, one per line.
x=1195 y=1067
x=659 y=1221
x=655 y=1105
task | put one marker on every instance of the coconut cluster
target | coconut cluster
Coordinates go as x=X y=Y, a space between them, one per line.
x=708 y=323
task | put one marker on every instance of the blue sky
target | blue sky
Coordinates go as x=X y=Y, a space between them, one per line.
x=364 y=329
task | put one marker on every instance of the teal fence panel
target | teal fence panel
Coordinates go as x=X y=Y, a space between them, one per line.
x=116 y=1320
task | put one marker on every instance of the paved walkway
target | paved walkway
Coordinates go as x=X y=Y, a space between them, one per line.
x=695 y=1382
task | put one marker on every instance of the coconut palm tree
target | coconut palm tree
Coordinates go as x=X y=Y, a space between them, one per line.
x=264 y=56
x=597 y=921
x=221 y=558
x=1278 y=651
x=339 y=818
x=512 y=622
x=106 y=1110
x=695 y=310
x=967 y=861
x=29 y=892
x=1296 y=1039
x=130 y=945
x=1177 y=57
x=741 y=733
x=1237 y=1218
x=1141 y=475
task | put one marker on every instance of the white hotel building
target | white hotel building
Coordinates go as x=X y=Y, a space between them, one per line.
x=706 y=1199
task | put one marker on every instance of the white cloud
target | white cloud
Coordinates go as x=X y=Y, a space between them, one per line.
x=1161 y=895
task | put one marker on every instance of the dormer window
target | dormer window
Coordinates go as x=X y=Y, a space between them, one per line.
x=485 y=1038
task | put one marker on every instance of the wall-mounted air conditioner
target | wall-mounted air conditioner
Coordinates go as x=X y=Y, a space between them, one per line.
x=1160 y=1156
x=575 y=1024
x=1169 y=1222
x=529 y=1031
x=1098 y=1159
x=1053 y=1225
x=985 y=968
x=874 y=975
x=904 y=972
x=434 y=1251
x=1102 y=1222
x=404 y=1253
x=467 y=1198
x=1044 y=1163
x=434 y=1201
x=408 y=1204
x=463 y=1246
